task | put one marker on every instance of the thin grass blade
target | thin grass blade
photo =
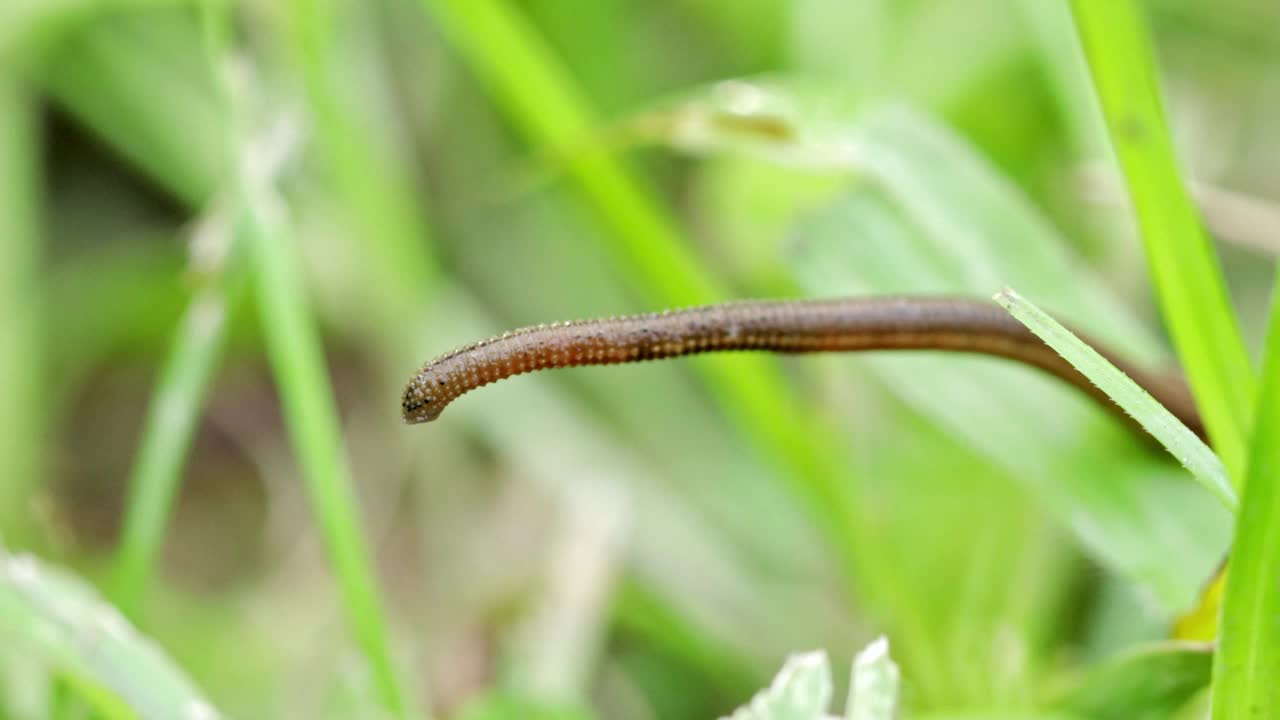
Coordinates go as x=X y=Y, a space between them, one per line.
x=1186 y=273
x=297 y=362
x=1247 y=664
x=1154 y=418
x=171 y=421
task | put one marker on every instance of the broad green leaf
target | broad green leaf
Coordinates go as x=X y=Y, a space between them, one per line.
x=1147 y=682
x=63 y=622
x=801 y=691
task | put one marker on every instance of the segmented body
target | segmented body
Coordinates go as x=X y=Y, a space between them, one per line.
x=782 y=326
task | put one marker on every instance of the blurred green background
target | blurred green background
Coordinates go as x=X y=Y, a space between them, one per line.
x=230 y=231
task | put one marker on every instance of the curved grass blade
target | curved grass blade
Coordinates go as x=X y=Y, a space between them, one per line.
x=1163 y=426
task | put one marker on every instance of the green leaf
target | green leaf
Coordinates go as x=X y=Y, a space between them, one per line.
x=1146 y=682
x=1176 y=438
x=1247 y=666
x=1186 y=273
x=65 y=623
x=801 y=691
x=873 y=689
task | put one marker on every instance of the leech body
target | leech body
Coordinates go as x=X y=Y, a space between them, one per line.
x=787 y=326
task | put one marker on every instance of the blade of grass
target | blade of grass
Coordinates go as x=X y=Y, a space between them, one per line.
x=1247 y=663
x=188 y=371
x=21 y=413
x=1154 y=418
x=171 y=422
x=297 y=363
x=539 y=96
x=1187 y=277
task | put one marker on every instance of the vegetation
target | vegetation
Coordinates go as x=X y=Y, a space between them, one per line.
x=232 y=230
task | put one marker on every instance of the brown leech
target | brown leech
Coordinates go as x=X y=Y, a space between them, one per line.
x=784 y=326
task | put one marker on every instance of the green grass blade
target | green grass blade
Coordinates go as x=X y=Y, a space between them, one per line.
x=21 y=413
x=170 y=425
x=297 y=363
x=539 y=96
x=1248 y=660
x=1163 y=426
x=184 y=381
x=62 y=620
x=1187 y=277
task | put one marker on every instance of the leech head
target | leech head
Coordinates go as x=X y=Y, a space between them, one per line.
x=418 y=404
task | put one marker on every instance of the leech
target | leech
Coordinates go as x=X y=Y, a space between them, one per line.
x=786 y=326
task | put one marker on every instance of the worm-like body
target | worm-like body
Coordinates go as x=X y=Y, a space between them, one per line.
x=786 y=326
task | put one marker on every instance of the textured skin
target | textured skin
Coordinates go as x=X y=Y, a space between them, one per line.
x=787 y=326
